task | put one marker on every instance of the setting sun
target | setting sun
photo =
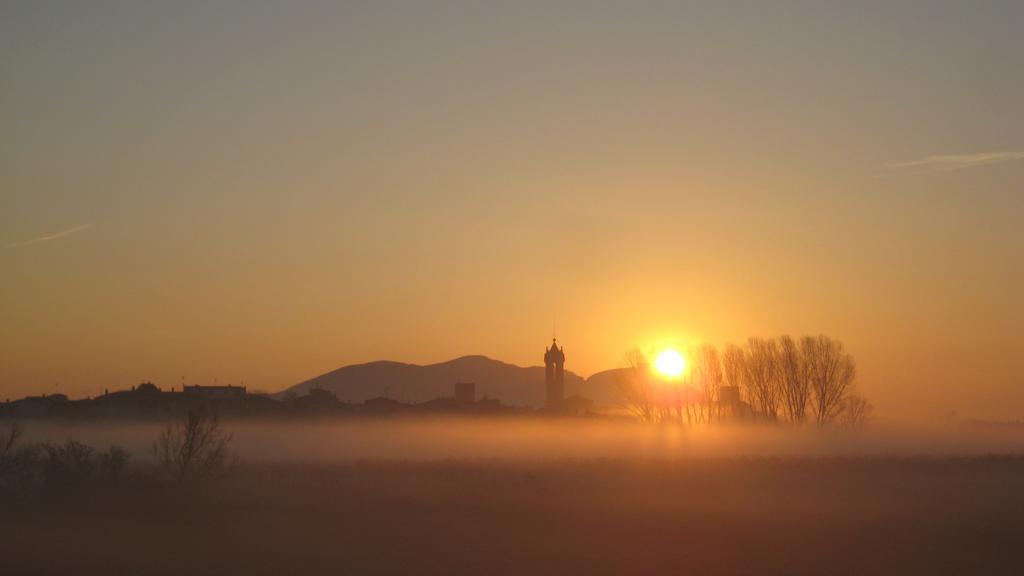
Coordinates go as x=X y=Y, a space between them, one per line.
x=670 y=363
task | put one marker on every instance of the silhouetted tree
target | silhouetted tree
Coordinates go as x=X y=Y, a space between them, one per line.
x=773 y=374
x=761 y=376
x=651 y=398
x=112 y=463
x=855 y=411
x=831 y=372
x=18 y=461
x=9 y=438
x=794 y=380
x=732 y=366
x=708 y=378
x=8 y=446
x=71 y=463
x=684 y=399
x=636 y=389
x=194 y=447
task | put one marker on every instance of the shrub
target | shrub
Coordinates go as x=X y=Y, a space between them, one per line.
x=18 y=463
x=8 y=447
x=72 y=463
x=112 y=463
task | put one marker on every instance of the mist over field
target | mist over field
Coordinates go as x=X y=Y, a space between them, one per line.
x=510 y=438
x=524 y=495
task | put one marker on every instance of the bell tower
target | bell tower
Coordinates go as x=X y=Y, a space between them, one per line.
x=554 y=377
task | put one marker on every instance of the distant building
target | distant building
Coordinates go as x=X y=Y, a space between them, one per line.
x=731 y=405
x=465 y=392
x=729 y=395
x=554 y=377
x=228 y=392
x=577 y=405
x=318 y=400
x=146 y=401
x=143 y=401
x=382 y=405
x=454 y=406
x=146 y=388
x=36 y=406
x=322 y=396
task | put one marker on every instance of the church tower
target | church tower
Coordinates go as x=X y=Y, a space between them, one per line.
x=554 y=377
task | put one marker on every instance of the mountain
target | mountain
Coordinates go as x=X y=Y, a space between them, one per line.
x=604 y=388
x=513 y=385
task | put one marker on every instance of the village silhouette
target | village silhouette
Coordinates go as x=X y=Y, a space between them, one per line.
x=148 y=401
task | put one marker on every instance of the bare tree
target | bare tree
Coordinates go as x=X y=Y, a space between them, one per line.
x=8 y=446
x=732 y=365
x=794 y=380
x=685 y=400
x=856 y=411
x=775 y=375
x=112 y=463
x=194 y=447
x=761 y=376
x=635 y=387
x=652 y=399
x=707 y=377
x=18 y=461
x=68 y=464
x=831 y=372
x=10 y=438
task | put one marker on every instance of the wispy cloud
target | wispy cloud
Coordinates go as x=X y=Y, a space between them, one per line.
x=946 y=163
x=54 y=236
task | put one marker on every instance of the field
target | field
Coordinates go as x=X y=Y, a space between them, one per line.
x=621 y=514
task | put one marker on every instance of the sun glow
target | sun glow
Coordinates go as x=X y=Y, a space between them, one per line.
x=670 y=363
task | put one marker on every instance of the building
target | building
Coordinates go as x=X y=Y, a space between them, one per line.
x=731 y=406
x=35 y=406
x=577 y=405
x=147 y=388
x=554 y=376
x=465 y=392
x=382 y=405
x=228 y=392
x=318 y=400
x=729 y=395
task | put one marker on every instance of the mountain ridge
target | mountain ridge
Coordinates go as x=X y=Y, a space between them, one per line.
x=512 y=384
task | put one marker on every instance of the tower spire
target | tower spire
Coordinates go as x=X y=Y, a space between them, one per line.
x=554 y=376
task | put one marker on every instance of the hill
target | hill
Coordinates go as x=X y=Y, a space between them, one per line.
x=601 y=387
x=513 y=385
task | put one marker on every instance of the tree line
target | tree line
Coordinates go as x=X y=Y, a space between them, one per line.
x=192 y=449
x=795 y=381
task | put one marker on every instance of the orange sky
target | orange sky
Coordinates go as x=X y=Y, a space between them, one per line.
x=265 y=193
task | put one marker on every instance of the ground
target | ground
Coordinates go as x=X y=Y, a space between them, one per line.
x=611 y=516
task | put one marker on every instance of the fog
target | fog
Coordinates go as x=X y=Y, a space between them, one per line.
x=530 y=495
x=539 y=439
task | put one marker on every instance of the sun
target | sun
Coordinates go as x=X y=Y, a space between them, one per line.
x=670 y=363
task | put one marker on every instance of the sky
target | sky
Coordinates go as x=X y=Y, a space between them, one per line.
x=261 y=192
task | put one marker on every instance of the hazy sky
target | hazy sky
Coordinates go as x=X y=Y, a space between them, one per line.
x=262 y=192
